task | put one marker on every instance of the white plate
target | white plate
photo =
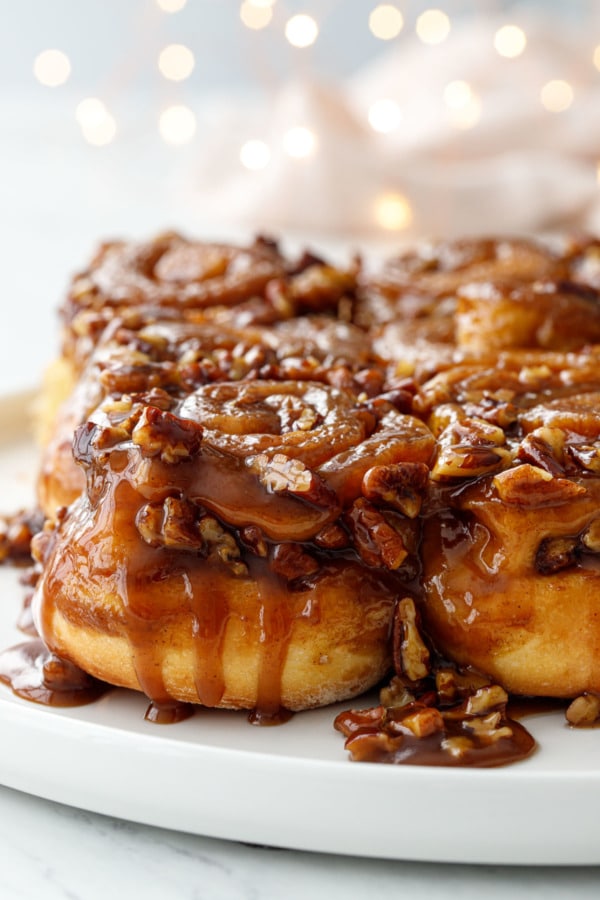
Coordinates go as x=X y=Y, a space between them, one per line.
x=291 y=785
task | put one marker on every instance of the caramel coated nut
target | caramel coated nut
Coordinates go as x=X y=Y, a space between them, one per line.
x=411 y=655
x=398 y=485
x=162 y=434
x=377 y=543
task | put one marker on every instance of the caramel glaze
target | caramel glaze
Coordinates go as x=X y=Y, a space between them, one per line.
x=36 y=674
x=152 y=579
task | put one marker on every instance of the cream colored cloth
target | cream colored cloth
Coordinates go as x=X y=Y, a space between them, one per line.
x=518 y=168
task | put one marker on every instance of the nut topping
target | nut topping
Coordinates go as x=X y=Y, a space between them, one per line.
x=162 y=434
x=411 y=656
x=377 y=543
x=399 y=485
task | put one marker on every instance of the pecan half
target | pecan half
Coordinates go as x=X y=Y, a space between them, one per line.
x=291 y=561
x=172 y=523
x=530 y=486
x=377 y=543
x=162 y=434
x=399 y=485
x=281 y=474
x=411 y=656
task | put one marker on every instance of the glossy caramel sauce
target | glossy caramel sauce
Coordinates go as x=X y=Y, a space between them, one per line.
x=32 y=672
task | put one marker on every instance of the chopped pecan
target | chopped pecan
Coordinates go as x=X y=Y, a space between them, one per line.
x=254 y=539
x=377 y=542
x=584 y=710
x=590 y=538
x=411 y=656
x=544 y=448
x=291 y=561
x=332 y=537
x=280 y=474
x=221 y=545
x=469 y=448
x=530 y=486
x=397 y=693
x=423 y=721
x=587 y=456
x=172 y=524
x=399 y=485
x=163 y=434
x=556 y=553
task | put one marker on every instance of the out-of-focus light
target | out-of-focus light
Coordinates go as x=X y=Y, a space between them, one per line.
x=177 y=124
x=386 y=21
x=385 y=116
x=458 y=94
x=510 y=41
x=300 y=142
x=171 y=6
x=598 y=172
x=51 y=68
x=596 y=57
x=255 y=155
x=176 y=62
x=262 y=3
x=301 y=31
x=255 y=15
x=433 y=26
x=98 y=126
x=557 y=95
x=393 y=212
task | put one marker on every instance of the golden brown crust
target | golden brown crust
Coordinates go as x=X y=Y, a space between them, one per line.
x=270 y=464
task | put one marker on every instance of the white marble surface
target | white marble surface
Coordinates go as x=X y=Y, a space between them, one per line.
x=54 y=852
x=58 y=198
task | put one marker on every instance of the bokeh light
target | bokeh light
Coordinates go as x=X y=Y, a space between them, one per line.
x=177 y=124
x=386 y=21
x=385 y=116
x=556 y=95
x=52 y=68
x=393 y=212
x=433 y=26
x=510 y=41
x=301 y=31
x=176 y=62
x=255 y=155
x=300 y=142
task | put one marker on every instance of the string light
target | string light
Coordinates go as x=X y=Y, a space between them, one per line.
x=177 y=124
x=301 y=31
x=300 y=142
x=386 y=22
x=52 y=68
x=171 y=6
x=393 y=212
x=255 y=155
x=510 y=41
x=98 y=126
x=463 y=104
x=176 y=62
x=255 y=15
x=433 y=26
x=556 y=95
x=384 y=116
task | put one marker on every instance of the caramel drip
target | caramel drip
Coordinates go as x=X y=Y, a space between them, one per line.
x=211 y=615
x=34 y=673
x=169 y=713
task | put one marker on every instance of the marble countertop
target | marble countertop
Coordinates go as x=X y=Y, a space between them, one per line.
x=55 y=852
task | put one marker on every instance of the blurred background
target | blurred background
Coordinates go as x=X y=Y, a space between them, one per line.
x=344 y=123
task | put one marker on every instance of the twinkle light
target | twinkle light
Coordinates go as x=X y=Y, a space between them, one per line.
x=596 y=57
x=171 y=6
x=433 y=26
x=393 y=212
x=177 y=124
x=300 y=142
x=301 y=30
x=255 y=15
x=510 y=41
x=255 y=155
x=176 y=62
x=97 y=124
x=386 y=21
x=384 y=116
x=556 y=95
x=52 y=68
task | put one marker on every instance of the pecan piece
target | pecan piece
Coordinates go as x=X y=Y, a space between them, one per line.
x=399 y=485
x=332 y=537
x=556 y=553
x=163 y=434
x=411 y=656
x=584 y=711
x=377 y=542
x=171 y=524
x=221 y=545
x=544 y=448
x=590 y=538
x=530 y=486
x=291 y=561
x=281 y=474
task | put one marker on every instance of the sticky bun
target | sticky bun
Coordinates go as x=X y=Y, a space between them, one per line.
x=261 y=461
